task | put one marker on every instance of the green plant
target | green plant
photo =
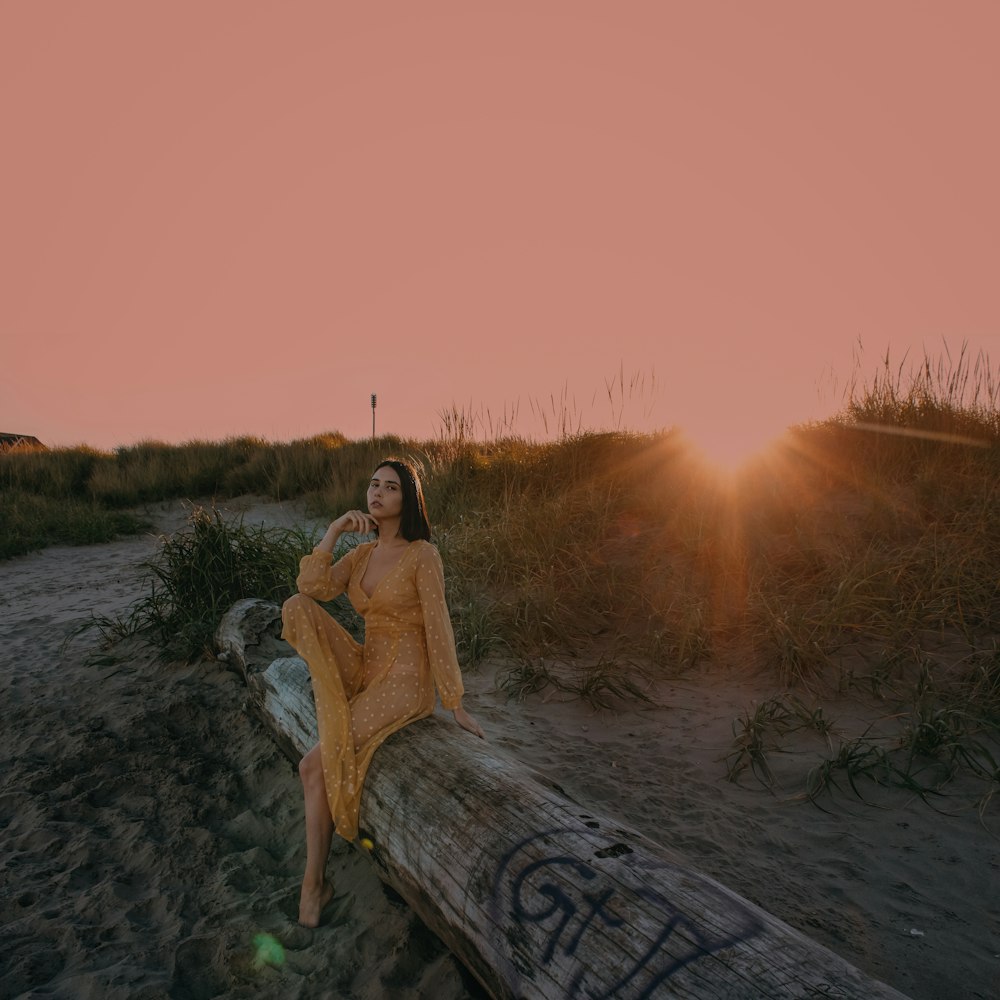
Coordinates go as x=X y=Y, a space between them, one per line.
x=32 y=521
x=199 y=573
x=524 y=678
x=810 y=718
x=798 y=643
x=759 y=731
x=679 y=635
x=948 y=735
x=477 y=633
x=857 y=758
x=606 y=681
x=600 y=683
x=754 y=737
x=981 y=680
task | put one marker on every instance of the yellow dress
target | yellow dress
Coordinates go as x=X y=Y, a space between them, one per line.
x=365 y=693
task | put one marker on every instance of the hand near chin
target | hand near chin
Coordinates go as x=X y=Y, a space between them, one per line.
x=468 y=723
x=357 y=521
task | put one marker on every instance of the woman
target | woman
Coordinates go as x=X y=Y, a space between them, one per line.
x=366 y=693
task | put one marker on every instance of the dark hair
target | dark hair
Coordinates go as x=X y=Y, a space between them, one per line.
x=413 y=524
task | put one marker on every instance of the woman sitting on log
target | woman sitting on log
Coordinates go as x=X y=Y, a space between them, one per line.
x=365 y=693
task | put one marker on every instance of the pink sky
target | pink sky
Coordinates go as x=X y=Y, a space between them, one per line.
x=243 y=218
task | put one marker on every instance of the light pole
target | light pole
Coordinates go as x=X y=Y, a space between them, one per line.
x=373 y=417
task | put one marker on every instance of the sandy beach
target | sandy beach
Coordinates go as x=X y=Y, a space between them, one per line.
x=152 y=844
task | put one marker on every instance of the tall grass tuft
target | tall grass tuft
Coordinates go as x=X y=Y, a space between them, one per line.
x=199 y=573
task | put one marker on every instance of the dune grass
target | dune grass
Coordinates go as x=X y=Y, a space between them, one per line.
x=842 y=559
x=846 y=532
x=199 y=573
x=29 y=522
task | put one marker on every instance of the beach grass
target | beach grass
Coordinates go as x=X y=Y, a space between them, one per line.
x=29 y=521
x=199 y=573
x=855 y=555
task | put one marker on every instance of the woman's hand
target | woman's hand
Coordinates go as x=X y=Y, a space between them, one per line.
x=354 y=520
x=468 y=723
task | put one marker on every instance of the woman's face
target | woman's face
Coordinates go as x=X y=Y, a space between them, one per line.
x=385 y=494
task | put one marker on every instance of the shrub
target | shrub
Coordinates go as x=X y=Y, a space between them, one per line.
x=199 y=573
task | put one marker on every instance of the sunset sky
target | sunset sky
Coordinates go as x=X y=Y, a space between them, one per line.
x=225 y=218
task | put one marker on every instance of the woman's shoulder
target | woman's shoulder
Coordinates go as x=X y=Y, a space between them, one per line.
x=355 y=551
x=424 y=550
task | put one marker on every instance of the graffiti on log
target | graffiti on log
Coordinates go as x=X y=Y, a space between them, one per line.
x=549 y=896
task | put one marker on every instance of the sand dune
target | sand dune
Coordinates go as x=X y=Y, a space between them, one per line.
x=151 y=833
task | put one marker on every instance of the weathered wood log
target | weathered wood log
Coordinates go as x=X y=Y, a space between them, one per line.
x=242 y=627
x=281 y=697
x=279 y=692
x=540 y=897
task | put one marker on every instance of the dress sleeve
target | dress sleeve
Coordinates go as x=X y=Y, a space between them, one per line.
x=437 y=628
x=321 y=578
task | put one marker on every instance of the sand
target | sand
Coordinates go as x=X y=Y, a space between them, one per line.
x=151 y=842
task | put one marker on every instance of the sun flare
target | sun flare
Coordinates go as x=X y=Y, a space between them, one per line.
x=729 y=448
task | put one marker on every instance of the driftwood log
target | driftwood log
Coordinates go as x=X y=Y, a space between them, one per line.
x=539 y=897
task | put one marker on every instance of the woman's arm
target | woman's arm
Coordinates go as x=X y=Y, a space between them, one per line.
x=353 y=520
x=317 y=577
x=441 y=638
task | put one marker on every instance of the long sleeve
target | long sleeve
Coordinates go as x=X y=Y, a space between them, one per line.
x=321 y=578
x=437 y=628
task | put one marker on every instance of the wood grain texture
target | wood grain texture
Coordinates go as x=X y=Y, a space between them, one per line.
x=281 y=697
x=242 y=628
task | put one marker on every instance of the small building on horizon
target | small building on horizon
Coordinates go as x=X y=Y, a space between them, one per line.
x=10 y=442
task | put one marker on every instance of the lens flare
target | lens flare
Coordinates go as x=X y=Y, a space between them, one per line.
x=268 y=951
x=728 y=448
x=916 y=432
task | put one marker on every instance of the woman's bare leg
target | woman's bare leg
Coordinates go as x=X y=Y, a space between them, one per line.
x=316 y=890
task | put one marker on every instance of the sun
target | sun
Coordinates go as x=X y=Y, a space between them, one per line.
x=729 y=447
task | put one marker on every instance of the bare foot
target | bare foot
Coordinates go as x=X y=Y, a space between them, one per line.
x=311 y=903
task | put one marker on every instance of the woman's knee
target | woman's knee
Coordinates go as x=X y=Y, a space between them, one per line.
x=311 y=767
x=297 y=602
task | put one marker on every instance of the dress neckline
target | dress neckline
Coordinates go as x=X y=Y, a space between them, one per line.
x=392 y=569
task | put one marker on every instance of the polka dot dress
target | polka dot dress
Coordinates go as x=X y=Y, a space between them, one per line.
x=365 y=693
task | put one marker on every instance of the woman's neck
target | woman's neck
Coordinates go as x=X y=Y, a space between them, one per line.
x=388 y=534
